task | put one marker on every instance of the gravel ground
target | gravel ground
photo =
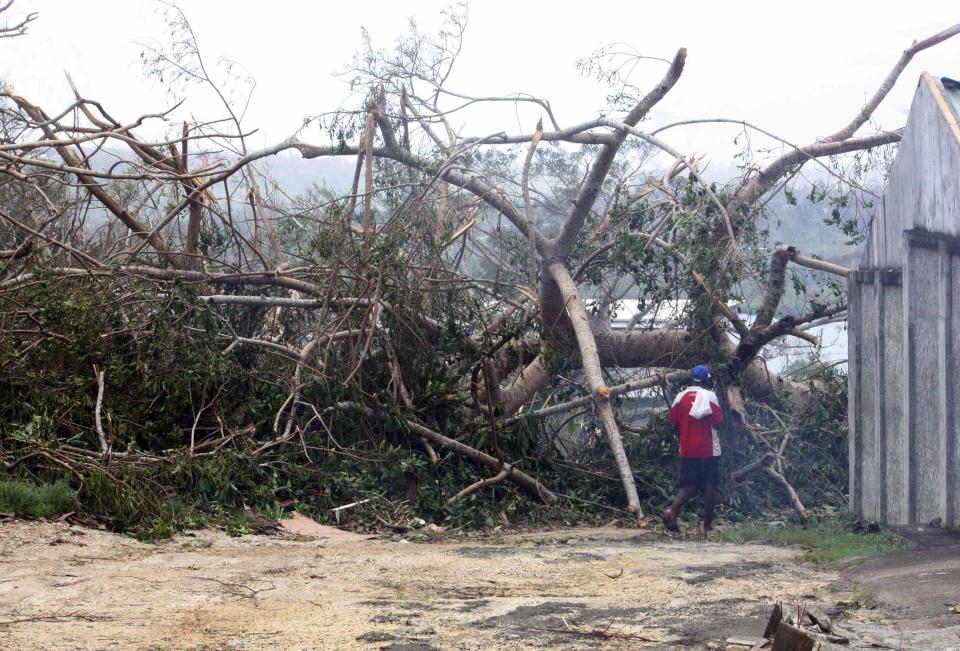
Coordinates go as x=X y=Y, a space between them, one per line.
x=64 y=587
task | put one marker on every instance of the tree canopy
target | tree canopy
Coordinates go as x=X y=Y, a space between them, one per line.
x=166 y=304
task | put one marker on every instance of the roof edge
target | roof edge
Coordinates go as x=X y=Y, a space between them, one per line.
x=937 y=91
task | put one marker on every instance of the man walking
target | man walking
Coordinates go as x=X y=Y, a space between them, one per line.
x=696 y=414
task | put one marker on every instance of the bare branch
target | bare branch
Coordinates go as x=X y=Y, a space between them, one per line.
x=841 y=141
x=601 y=166
x=17 y=29
x=594 y=372
x=518 y=477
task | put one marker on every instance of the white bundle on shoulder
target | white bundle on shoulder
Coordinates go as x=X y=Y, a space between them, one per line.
x=701 y=408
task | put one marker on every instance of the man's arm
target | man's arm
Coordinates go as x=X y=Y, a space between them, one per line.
x=716 y=414
x=674 y=416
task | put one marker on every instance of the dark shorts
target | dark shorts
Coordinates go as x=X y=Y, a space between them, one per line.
x=696 y=472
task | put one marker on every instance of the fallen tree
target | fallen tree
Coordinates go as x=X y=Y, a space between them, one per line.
x=460 y=283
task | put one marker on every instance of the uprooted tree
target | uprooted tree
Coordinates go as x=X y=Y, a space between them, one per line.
x=167 y=297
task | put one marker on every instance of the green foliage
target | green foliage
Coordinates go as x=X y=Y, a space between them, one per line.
x=36 y=500
x=160 y=356
x=815 y=462
x=827 y=541
x=861 y=598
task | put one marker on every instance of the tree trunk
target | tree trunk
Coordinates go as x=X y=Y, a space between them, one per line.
x=594 y=372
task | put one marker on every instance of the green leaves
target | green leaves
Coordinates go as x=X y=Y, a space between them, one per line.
x=36 y=500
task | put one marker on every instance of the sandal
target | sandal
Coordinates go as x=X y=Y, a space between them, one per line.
x=669 y=520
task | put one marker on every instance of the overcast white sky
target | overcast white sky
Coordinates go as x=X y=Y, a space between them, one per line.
x=799 y=69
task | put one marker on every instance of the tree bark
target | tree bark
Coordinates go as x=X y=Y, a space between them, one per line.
x=594 y=372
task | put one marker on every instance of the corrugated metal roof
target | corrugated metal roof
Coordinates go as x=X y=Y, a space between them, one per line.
x=952 y=92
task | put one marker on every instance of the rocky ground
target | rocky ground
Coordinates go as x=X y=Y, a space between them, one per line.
x=64 y=587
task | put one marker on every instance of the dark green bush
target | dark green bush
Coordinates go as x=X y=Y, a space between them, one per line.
x=36 y=500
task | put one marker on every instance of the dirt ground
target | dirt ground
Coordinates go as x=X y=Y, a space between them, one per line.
x=64 y=587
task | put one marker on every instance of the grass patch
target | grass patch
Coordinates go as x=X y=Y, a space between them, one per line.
x=826 y=541
x=860 y=598
x=36 y=501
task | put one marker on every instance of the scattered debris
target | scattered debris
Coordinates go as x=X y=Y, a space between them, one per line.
x=300 y=525
x=789 y=632
x=819 y=618
x=596 y=633
x=774 y=622
x=376 y=636
x=336 y=511
x=86 y=520
x=792 y=638
x=262 y=524
x=58 y=616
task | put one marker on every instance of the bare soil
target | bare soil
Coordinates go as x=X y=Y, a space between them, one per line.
x=64 y=587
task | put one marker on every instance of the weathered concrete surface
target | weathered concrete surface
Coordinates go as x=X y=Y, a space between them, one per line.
x=916 y=585
x=921 y=190
x=912 y=589
x=905 y=331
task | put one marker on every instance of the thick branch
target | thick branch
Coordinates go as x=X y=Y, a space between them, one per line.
x=601 y=165
x=104 y=448
x=254 y=279
x=758 y=184
x=590 y=360
x=841 y=141
x=819 y=265
x=918 y=46
x=131 y=221
x=529 y=380
x=514 y=475
x=776 y=285
x=196 y=212
x=616 y=390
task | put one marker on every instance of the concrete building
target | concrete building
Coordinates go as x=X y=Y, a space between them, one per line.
x=905 y=328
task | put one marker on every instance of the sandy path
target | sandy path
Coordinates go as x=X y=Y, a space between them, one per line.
x=82 y=589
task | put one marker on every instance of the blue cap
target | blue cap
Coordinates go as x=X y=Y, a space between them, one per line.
x=700 y=374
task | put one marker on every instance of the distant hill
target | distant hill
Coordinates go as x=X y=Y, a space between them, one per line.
x=804 y=226
x=296 y=175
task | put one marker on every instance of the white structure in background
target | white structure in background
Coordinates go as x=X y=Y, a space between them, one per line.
x=791 y=352
x=626 y=309
x=636 y=406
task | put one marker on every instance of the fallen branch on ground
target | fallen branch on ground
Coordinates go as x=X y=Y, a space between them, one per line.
x=516 y=476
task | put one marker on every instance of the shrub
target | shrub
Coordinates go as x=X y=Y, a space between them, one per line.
x=36 y=501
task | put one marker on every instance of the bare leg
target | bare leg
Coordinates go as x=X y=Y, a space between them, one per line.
x=709 y=501
x=670 y=515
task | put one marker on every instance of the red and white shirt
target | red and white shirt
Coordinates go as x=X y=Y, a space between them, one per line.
x=698 y=430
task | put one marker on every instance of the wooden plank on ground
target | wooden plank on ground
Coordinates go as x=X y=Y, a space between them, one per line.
x=791 y=638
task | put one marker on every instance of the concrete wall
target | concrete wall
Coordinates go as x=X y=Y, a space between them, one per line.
x=905 y=330
x=923 y=190
x=904 y=387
